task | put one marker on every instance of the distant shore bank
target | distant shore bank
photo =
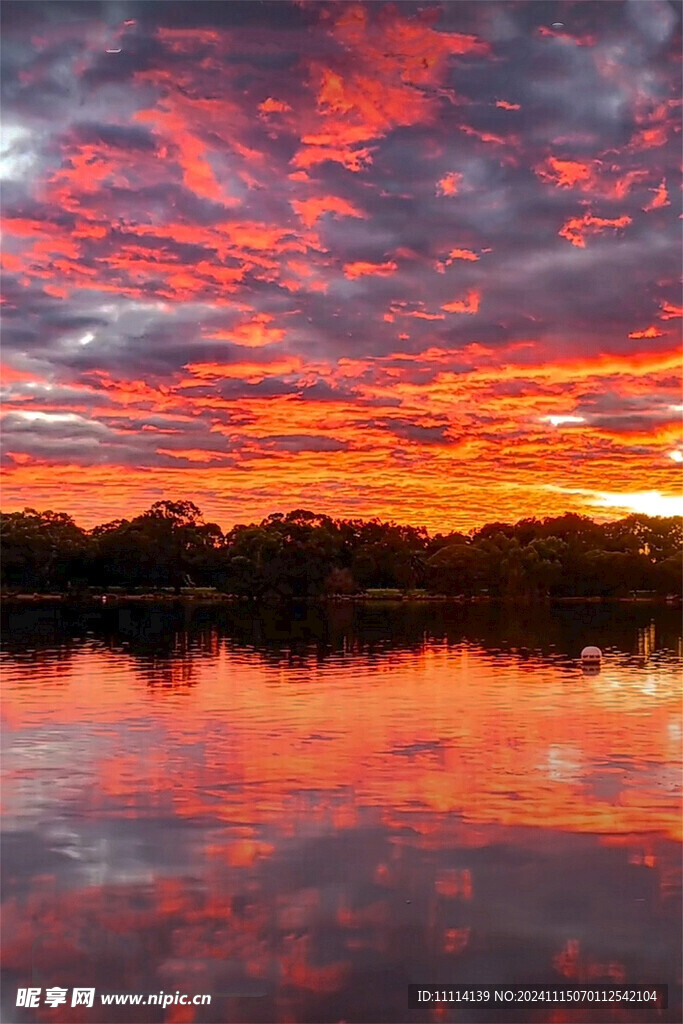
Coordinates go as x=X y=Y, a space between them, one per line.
x=203 y=597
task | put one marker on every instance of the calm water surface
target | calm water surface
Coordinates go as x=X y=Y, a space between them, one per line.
x=301 y=812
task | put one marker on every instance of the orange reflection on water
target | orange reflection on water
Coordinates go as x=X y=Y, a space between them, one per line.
x=496 y=739
x=209 y=817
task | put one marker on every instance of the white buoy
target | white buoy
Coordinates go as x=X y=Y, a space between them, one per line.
x=591 y=656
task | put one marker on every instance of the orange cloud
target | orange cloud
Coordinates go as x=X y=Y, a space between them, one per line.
x=362 y=269
x=460 y=254
x=273 y=106
x=566 y=173
x=576 y=229
x=198 y=455
x=509 y=141
x=124 y=267
x=551 y=33
x=670 y=311
x=449 y=184
x=422 y=315
x=317 y=149
x=660 y=198
x=593 y=177
x=10 y=375
x=242 y=370
x=383 y=85
x=470 y=304
x=132 y=392
x=649 y=332
x=656 y=122
x=310 y=210
x=187 y=40
x=623 y=185
x=507 y=106
x=251 y=333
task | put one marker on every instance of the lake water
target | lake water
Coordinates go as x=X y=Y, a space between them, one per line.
x=301 y=812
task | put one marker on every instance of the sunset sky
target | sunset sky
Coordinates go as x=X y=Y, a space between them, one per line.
x=419 y=261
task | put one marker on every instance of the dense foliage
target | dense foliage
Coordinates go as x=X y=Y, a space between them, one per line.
x=301 y=554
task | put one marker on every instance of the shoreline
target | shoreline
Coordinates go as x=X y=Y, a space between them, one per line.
x=105 y=600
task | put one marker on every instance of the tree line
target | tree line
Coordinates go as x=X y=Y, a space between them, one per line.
x=301 y=554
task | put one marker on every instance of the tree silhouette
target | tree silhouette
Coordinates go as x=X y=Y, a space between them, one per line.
x=303 y=554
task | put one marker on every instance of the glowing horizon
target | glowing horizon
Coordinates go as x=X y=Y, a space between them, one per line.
x=414 y=262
